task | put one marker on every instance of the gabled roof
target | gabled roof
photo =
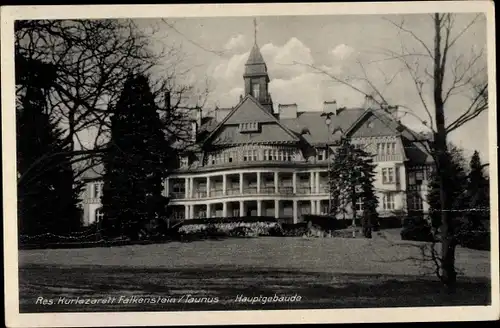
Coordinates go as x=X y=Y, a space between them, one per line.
x=250 y=110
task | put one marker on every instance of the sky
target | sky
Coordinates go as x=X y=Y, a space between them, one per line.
x=216 y=49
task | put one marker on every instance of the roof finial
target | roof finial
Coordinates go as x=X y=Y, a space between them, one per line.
x=255 y=30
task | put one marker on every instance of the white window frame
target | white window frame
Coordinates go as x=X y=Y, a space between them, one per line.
x=359 y=204
x=388 y=201
x=97 y=190
x=99 y=215
x=388 y=175
x=256 y=90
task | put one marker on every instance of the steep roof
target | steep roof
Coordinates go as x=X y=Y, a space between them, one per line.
x=255 y=56
x=317 y=131
x=249 y=110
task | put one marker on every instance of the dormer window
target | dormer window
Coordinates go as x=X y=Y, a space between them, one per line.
x=184 y=161
x=249 y=127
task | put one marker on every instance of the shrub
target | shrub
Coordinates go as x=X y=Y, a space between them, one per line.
x=229 y=227
x=325 y=222
x=417 y=232
x=294 y=230
x=475 y=239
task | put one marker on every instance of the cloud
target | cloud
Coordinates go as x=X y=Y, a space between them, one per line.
x=236 y=42
x=342 y=51
x=292 y=80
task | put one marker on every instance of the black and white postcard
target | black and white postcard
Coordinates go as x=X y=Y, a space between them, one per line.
x=249 y=163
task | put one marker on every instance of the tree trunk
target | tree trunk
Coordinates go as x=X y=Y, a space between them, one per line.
x=448 y=274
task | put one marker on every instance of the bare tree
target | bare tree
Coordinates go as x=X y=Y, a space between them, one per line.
x=91 y=59
x=437 y=68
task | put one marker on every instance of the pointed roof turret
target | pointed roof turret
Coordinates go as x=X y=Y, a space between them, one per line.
x=255 y=57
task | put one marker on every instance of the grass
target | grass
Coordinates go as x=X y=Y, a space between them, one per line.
x=326 y=273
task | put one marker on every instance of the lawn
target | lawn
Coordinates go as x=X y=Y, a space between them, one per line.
x=325 y=273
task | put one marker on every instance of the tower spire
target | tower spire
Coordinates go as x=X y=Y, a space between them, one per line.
x=255 y=30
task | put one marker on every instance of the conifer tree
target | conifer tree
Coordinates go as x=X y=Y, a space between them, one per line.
x=135 y=164
x=47 y=194
x=478 y=199
x=351 y=178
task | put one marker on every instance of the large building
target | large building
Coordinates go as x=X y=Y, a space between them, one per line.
x=250 y=160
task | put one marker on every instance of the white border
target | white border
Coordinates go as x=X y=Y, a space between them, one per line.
x=14 y=319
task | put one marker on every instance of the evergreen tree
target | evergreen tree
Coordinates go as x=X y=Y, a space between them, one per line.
x=351 y=178
x=455 y=183
x=370 y=200
x=477 y=193
x=135 y=163
x=47 y=194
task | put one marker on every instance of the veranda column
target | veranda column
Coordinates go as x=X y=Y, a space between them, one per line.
x=294 y=182
x=259 y=208
x=191 y=187
x=258 y=182
x=276 y=188
x=276 y=208
x=186 y=214
x=311 y=177
x=191 y=211
x=319 y=209
x=242 y=208
x=209 y=211
x=224 y=183
x=224 y=209
x=295 y=212
x=167 y=187
x=317 y=182
x=208 y=186
x=186 y=187
x=313 y=207
x=241 y=183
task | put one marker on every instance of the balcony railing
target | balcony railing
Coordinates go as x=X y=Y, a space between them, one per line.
x=286 y=190
x=178 y=195
x=252 y=190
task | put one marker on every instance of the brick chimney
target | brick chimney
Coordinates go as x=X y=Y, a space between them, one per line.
x=330 y=107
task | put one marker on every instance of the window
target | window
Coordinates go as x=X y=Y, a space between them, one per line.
x=179 y=188
x=97 y=190
x=256 y=90
x=388 y=176
x=359 y=204
x=99 y=215
x=184 y=161
x=393 y=148
x=321 y=155
x=416 y=203
x=249 y=127
x=386 y=148
x=266 y=154
x=388 y=201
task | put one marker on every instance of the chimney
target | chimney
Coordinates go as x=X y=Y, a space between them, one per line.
x=330 y=107
x=194 y=131
x=370 y=103
x=287 y=110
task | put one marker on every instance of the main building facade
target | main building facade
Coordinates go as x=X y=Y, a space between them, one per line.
x=249 y=160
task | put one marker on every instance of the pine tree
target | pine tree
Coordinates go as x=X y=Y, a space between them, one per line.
x=370 y=201
x=477 y=193
x=455 y=183
x=135 y=163
x=351 y=178
x=47 y=194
